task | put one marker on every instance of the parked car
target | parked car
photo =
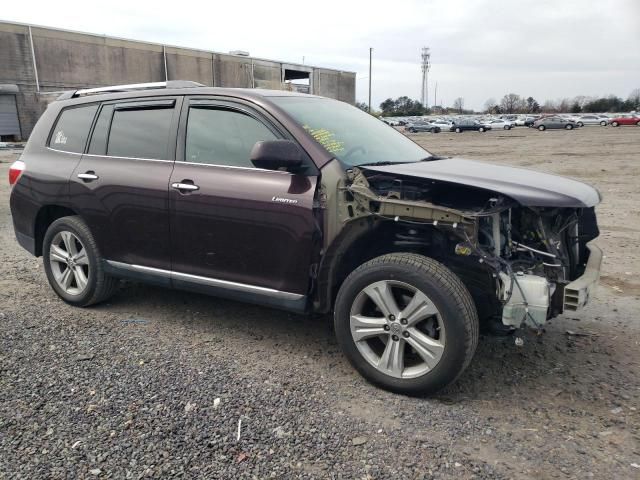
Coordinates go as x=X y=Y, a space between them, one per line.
x=554 y=122
x=591 y=120
x=499 y=124
x=306 y=204
x=625 y=120
x=468 y=125
x=422 y=127
x=443 y=124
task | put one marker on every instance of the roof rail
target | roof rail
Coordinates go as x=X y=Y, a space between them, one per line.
x=128 y=88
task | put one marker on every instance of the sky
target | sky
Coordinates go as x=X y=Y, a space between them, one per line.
x=547 y=49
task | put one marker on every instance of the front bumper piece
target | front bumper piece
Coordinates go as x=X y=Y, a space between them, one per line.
x=578 y=292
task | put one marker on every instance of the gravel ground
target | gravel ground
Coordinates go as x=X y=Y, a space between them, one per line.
x=161 y=383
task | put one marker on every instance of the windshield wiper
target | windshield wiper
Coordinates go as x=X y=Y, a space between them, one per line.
x=379 y=164
x=431 y=158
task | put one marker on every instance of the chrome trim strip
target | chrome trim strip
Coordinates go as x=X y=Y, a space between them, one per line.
x=195 y=164
x=231 y=167
x=128 y=158
x=212 y=282
x=62 y=151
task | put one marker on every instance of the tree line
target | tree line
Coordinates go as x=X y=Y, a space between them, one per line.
x=513 y=103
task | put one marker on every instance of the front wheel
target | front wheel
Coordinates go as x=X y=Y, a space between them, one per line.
x=580 y=124
x=73 y=264
x=604 y=124
x=614 y=124
x=569 y=127
x=406 y=323
x=541 y=128
x=458 y=130
x=481 y=129
x=507 y=127
x=638 y=123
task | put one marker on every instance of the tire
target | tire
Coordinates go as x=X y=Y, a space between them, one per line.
x=638 y=124
x=506 y=127
x=412 y=130
x=443 y=292
x=71 y=234
x=481 y=129
x=614 y=124
x=580 y=124
x=458 y=130
x=568 y=127
x=542 y=128
x=604 y=124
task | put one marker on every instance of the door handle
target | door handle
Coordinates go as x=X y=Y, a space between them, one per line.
x=188 y=187
x=88 y=176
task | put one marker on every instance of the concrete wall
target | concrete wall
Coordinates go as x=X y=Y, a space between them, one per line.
x=67 y=60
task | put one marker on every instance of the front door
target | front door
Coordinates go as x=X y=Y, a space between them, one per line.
x=120 y=186
x=233 y=225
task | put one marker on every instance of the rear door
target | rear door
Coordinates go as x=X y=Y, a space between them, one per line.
x=120 y=186
x=230 y=221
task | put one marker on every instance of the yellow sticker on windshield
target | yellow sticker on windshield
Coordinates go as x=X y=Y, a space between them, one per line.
x=325 y=138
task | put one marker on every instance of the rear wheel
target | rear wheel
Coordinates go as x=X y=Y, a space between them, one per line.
x=406 y=323
x=568 y=127
x=638 y=123
x=542 y=128
x=458 y=130
x=507 y=127
x=73 y=264
x=481 y=129
x=603 y=123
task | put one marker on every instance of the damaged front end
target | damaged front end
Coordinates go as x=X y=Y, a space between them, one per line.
x=523 y=264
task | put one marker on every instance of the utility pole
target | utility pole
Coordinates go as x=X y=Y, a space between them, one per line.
x=370 y=58
x=435 y=96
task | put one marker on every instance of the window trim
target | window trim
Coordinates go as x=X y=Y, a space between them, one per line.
x=89 y=133
x=174 y=101
x=242 y=107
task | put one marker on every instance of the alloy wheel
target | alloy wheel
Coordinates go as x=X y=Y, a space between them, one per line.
x=69 y=263
x=397 y=329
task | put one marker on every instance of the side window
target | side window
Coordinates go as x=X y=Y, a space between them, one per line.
x=72 y=128
x=98 y=143
x=140 y=132
x=223 y=137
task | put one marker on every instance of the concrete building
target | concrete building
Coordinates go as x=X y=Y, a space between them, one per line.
x=38 y=62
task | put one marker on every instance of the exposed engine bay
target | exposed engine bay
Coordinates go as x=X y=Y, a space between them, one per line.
x=522 y=264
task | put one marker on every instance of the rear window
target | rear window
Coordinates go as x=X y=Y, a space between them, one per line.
x=72 y=129
x=140 y=133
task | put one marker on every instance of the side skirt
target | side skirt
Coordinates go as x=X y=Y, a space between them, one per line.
x=292 y=302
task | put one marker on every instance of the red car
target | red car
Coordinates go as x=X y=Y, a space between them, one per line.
x=628 y=120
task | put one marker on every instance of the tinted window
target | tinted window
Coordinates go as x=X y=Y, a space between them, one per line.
x=223 y=137
x=98 y=144
x=72 y=128
x=140 y=133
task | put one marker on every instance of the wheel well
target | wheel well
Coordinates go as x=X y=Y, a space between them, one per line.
x=375 y=238
x=46 y=216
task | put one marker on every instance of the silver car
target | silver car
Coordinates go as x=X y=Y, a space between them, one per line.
x=591 y=120
x=545 y=123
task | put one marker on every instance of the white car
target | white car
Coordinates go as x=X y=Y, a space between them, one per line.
x=591 y=120
x=500 y=124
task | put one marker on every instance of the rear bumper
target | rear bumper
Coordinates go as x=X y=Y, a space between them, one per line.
x=26 y=242
x=578 y=292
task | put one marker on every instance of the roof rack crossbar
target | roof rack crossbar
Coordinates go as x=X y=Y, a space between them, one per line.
x=130 y=87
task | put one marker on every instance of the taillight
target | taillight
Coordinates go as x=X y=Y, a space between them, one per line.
x=15 y=171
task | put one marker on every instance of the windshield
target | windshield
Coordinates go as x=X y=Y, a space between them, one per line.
x=353 y=136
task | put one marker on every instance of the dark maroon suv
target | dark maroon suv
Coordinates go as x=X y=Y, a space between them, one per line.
x=306 y=204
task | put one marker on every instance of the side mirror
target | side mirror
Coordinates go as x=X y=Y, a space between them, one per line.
x=276 y=154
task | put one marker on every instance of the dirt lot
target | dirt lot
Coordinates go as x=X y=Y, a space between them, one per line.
x=128 y=389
